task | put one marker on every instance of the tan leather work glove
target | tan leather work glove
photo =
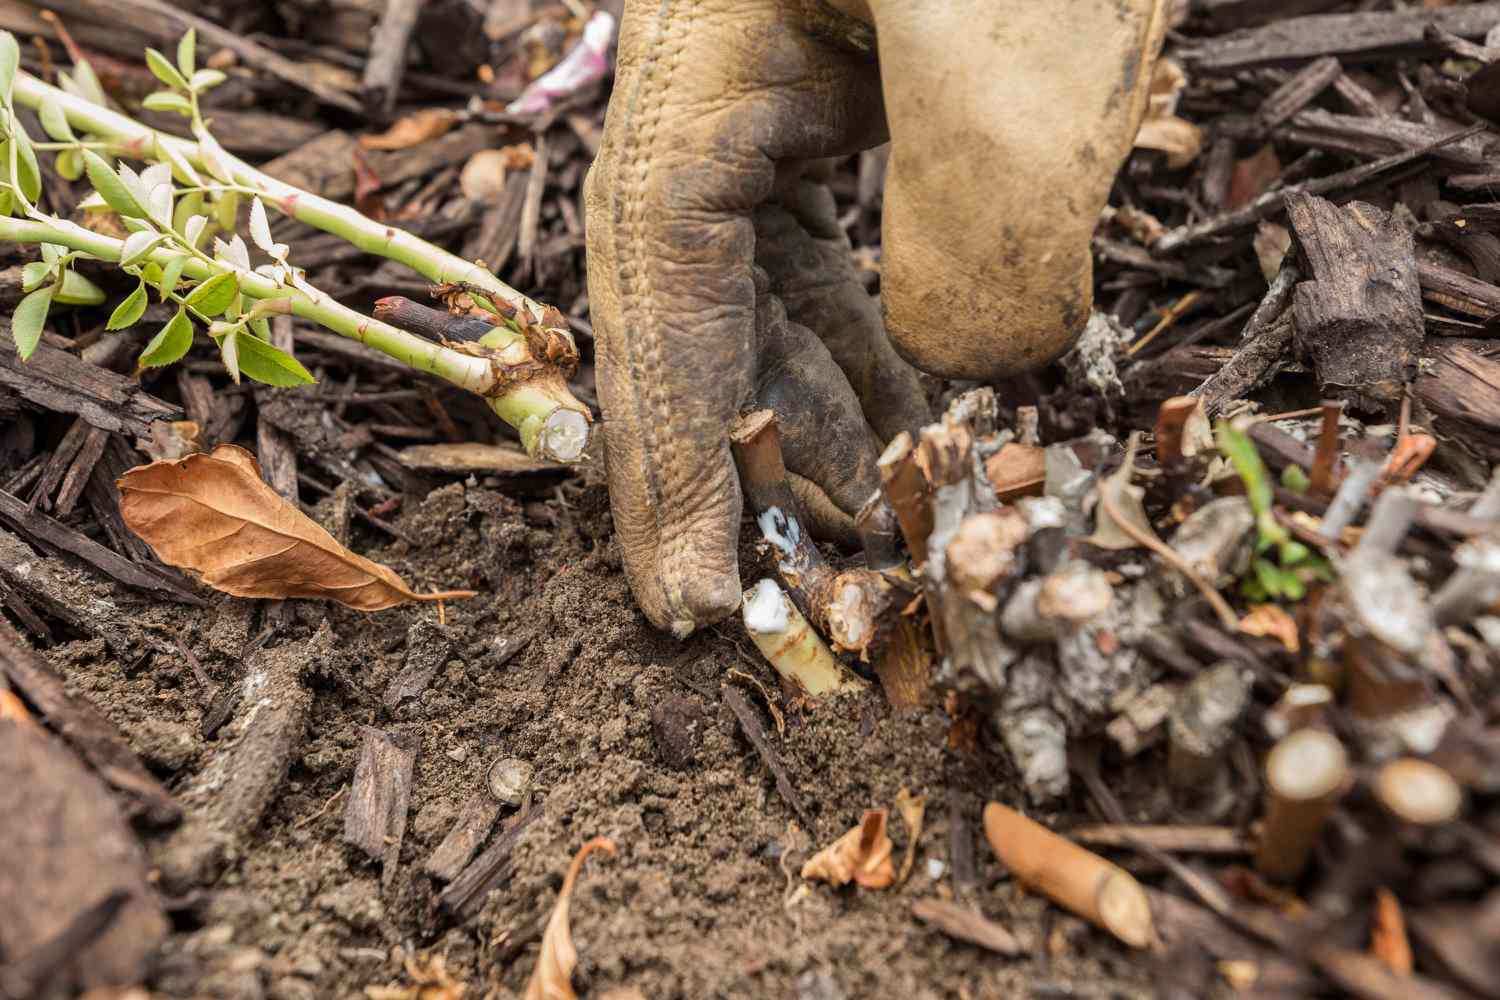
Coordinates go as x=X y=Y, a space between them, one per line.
x=720 y=280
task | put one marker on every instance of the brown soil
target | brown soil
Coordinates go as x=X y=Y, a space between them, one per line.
x=702 y=899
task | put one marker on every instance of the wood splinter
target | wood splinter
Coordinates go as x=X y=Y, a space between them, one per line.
x=1307 y=773
x=850 y=606
x=1077 y=879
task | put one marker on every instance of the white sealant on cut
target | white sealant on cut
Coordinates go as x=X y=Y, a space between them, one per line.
x=781 y=530
x=766 y=608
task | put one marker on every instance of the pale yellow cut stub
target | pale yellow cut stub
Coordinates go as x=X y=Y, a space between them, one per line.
x=1418 y=791
x=214 y=516
x=1123 y=909
x=1307 y=765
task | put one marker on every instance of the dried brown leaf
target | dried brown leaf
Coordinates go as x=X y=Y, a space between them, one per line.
x=862 y=855
x=214 y=516
x=1252 y=177
x=1162 y=130
x=413 y=129
x=430 y=980
x=1017 y=470
x=171 y=439
x=552 y=979
x=1272 y=243
x=1272 y=620
x=1179 y=138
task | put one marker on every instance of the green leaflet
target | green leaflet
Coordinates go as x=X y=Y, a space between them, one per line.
x=169 y=344
x=214 y=296
x=27 y=321
x=161 y=68
x=128 y=313
x=264 y=363
x=113 y=190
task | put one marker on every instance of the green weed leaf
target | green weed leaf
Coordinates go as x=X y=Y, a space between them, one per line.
x=1240 y=450
x=128 y=313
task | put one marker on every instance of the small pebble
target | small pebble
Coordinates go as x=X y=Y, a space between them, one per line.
x=510 y=779
x=935 y=869
x=458 y=755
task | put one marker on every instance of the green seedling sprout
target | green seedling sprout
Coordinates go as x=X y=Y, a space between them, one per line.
x=1282 y=566
x=181 y=213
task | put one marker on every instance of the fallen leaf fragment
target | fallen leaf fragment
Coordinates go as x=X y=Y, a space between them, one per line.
x=966 y=924
x=1017 y=470
x=214 y=516
x=913 y=809
x=552 y=979
x=1272 y=243
x=1388 y=941
x=1252 y=177
x=413 y=129
x=1162 y=130
x=862 y=855
x=430 y=980
x=171 y=439
x=1272 y=620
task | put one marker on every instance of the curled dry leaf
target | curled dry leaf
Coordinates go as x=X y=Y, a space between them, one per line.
x=1272 y=243
x=1272 y=620
x=1162 y=130
x=430 y=980
x=552 y=979
x=214 y=516
x=1017 y=470
x=413 y=129
x=862 y=855
x=171 y=439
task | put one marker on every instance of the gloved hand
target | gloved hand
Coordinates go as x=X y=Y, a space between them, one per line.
x=720 y=280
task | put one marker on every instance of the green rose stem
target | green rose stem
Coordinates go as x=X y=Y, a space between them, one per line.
x=551 y=422
x=538 y=408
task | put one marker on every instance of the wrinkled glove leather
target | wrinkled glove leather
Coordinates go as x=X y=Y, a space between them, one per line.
x=720 y=281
